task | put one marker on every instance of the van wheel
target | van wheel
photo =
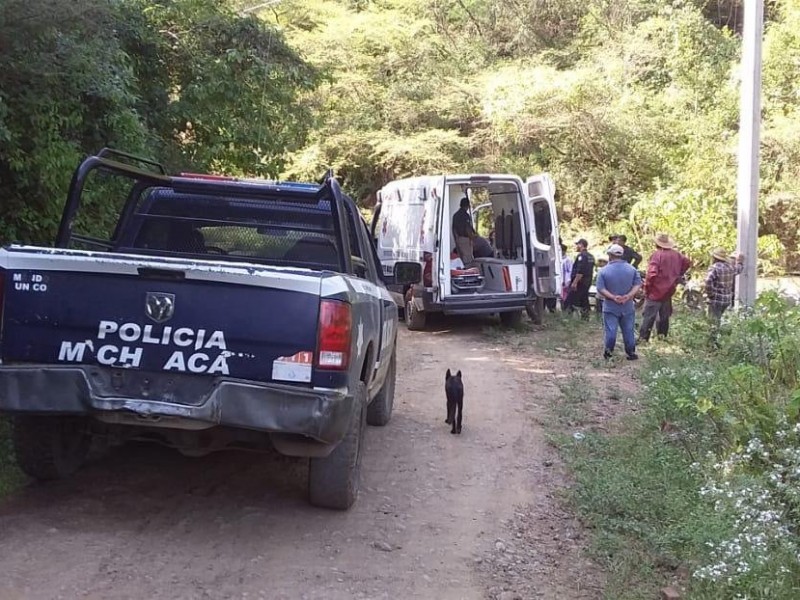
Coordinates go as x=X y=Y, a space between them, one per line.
x=379 y=410
x=511 y=319
x=333 y=480
x=415 y=319
x=50 y=447
x=535 y=310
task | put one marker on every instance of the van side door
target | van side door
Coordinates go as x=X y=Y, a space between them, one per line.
x=540 y=196
x=441 y=230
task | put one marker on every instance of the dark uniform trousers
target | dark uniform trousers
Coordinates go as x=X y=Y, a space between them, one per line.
x=578 y=298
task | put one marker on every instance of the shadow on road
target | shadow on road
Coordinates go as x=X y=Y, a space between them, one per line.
x=139 y=484
x=136 y=480
x=456 y=324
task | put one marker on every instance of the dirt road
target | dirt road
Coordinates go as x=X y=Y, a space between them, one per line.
x=439 y=515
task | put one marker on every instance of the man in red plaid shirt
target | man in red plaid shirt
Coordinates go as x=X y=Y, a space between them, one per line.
x=664 y=270
x=719 y=281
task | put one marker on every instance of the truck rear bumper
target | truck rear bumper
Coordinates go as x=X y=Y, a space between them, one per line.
x=322 y=415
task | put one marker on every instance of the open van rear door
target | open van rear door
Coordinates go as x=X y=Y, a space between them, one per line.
x=540 y=195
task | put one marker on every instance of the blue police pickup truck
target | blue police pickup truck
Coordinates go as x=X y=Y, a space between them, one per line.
x=215 y=313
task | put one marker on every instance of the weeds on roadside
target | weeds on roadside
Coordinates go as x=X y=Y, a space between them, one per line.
x=707 y=476
x=558 y=333
x=576 y=392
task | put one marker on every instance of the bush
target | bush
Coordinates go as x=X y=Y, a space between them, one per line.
x=707 y=475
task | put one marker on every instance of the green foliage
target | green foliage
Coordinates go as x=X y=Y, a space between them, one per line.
x=781 y=131
x=745 y=388
x=636 y=493
x=188 y=81
x=631 y=106
x=710 y=225
x=705 y=475
x=219 y=89
x=63 y=89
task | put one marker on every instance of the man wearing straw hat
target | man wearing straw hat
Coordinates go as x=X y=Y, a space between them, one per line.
x=665 y=269
x=719 y=282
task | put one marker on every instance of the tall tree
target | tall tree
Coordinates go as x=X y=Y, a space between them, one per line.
x=190 y=82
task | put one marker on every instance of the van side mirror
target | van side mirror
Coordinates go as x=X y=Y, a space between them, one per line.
x=405 y=273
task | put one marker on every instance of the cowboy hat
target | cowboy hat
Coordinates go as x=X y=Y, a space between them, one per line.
x=664 y=241
x=720 y=253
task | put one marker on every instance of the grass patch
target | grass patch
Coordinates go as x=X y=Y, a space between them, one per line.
x=702 y=486
x=558 y=333
x=11 y=478
x=638 y=495
x=576 y=392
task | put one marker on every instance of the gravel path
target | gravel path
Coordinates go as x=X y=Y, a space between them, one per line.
x=439 y=516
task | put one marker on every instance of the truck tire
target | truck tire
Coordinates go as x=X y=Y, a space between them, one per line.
x=535 y=310
x=415 y=319
x=333 y=480
x=511 y=319
x=50 y=447
x=379 y=410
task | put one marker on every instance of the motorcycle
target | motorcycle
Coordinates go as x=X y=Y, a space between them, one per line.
x=693 y=293
x=638 y=299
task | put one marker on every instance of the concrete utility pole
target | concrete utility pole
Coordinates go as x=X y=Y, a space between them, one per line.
x=749 y=142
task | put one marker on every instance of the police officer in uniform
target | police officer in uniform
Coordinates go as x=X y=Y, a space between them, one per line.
x=582 y=273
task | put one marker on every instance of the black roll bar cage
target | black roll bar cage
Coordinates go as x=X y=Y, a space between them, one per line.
x=104 y=161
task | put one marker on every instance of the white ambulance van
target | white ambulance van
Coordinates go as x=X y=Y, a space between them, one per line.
x=514 y=272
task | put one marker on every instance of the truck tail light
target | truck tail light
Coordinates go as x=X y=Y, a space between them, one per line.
x=335 y=331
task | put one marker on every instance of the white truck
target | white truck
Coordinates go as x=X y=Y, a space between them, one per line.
x=520 y=266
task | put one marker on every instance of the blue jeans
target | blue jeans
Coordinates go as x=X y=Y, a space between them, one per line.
x=611 y=322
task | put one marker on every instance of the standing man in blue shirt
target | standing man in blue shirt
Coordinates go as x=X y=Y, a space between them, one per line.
x=618 y=283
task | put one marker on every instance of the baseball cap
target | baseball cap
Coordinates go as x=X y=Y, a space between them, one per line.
x=582 y=241
x=615 y=250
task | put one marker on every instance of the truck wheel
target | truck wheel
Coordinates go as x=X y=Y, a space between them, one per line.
x=333 y=480
x=415 y=319
x=50 y=447
x=511 y=319
x=535 y=310
x=379 y=410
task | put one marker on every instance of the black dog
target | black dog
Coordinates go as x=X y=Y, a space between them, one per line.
x=454 y=390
